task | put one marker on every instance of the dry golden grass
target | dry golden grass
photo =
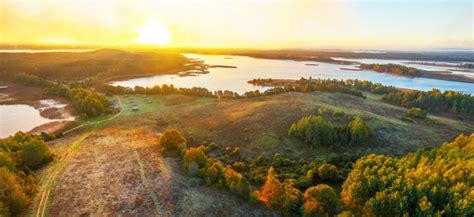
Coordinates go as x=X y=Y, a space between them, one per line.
x=120 y=172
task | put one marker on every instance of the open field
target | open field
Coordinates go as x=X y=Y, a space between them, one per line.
x=116 y=167
x=260 y=124
x=120 y=171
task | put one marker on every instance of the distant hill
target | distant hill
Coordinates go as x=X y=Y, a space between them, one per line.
x=101 y=63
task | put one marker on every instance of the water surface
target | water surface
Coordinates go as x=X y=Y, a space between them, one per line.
x=21 y=117
x=235 y=79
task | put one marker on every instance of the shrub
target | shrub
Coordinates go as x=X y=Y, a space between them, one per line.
x=12 y=194
x=35 y=153
x=327 y=172
x=359 y=131
x=212 y=146
x=277 y=160
x=416 y=113
x=194 y=159
x=320 y=200
x=314 y=130
x=215 y=175
x=235 y=152
x=7 y=162
x=237 y=183
x=172 y=140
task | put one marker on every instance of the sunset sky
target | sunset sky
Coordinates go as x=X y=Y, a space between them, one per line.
x=394 y=24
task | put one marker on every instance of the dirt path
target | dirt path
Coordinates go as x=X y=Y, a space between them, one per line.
x=47 y=183
x=145 y=182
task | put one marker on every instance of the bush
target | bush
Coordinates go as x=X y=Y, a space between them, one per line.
x=172 y=140
x=327 y=172
x=12 y=194
x=320 y=200
x=7 y=162
x=416 y=113
x=359 y=131
x=194 y=159
x=314 y=130
x=237 y=183
x=35 y=153
x=215 y=175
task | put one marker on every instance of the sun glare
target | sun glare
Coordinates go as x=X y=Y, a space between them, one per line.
x=153 y=33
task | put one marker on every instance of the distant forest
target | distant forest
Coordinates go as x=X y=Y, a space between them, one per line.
x=102 y=63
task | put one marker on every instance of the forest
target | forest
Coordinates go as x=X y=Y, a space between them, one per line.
x=86 y=102
x=392 y=69
x=102 y=63
x=434 y=101
x=423 y=183
x=20 y=156
x=315 y=131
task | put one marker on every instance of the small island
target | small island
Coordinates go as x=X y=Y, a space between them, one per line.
x=412 y=72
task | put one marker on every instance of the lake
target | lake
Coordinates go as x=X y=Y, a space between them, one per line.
x=21 y=117
x=248 y=68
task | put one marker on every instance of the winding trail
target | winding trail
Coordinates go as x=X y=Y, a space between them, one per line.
x=60 y=164
x=158 y=207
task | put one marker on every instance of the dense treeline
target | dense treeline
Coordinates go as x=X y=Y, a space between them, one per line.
x=315 y=131
x=350 y=86
x=436 y=182
x=308 y=85
x=392 y=69
x=19 y=156
x=104 y=63
x=434 y=100
x=376 y=88
x=301 y=191
x=425 y=183
x=86 y=102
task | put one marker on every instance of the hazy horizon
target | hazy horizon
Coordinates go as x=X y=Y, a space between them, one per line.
x=345 y=25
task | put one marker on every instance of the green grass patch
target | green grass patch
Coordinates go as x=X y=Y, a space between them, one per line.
x=144 y=105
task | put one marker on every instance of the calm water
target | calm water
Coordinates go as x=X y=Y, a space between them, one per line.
x=20 y=117
x=235 y=79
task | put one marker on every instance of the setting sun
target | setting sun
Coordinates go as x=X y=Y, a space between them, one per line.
x=236 y=107
x=153 y=32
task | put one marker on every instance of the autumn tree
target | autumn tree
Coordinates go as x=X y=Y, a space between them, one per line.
x=282 y=196
x=272 y=190
x=424 y=183
x=320 y=200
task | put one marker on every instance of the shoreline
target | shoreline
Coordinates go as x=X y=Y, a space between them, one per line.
x=60 y=116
